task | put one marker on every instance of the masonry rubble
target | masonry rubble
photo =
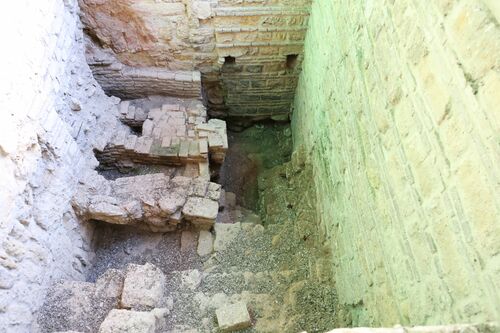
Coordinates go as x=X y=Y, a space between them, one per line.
x=132 y=301
x=154 y=201
x=175 y=134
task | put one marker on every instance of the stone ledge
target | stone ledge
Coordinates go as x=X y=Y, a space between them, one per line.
x=152 y=201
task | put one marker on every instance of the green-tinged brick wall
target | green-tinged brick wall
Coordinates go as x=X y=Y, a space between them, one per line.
x=398 y=106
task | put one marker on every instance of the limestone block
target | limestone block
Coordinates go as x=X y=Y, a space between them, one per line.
x=203 y=209
x=205 y=243
x=123 y=108
x=147 y=127
x=233 y=317
x=172 y=202
x=107 y=212
x=201 y=9
x=203 y=147
x=110 y=284
x=204 y=170
x=214 y=191
x=184 y=149
x=143 y=288
x=198 y=187
x=125 y=321
x=191 y=279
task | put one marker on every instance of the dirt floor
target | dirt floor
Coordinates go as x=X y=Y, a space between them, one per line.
x=274 y=261
x=251 y=152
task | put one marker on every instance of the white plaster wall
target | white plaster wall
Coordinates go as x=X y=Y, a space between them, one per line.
x=44 y=147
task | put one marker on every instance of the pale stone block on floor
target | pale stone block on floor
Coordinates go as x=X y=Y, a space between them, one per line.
x=205 y=243
x=233 y=317
x=143 y=288
x=125 y=321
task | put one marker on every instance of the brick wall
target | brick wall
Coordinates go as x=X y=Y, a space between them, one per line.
x=130 y=82
x=398 y=105
x=50 y=105
x=197 y=35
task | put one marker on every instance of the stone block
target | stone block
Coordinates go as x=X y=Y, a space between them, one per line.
x=143 y=288
x=202 y=10
x=125 y=321
x=233 y=317
x=205 y=243
x=147 y=127
x=184 y=149
x=194 y=148
x=110 y=284
x=124 y=107
x=171 y=202
x=200 y=208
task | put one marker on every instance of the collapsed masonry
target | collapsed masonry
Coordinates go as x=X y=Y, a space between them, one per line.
x=176 y=135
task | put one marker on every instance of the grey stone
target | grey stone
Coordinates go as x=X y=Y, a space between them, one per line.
x=124 y=321
x=233 y=317
x=205 y=243
x=75 y=105
x=143 y=288
x=203 y=208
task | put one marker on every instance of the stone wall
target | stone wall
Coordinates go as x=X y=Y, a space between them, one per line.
x=478 y=328
x=398 y=107
x=129 y=82
x=50 y=104
x=249 y=52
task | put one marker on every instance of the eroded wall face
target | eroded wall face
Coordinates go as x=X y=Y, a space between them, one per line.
x=50 y=104
x=149 y=46
x=398 y=104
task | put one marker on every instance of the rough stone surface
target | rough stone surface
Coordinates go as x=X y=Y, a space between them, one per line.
x=205 y=243
x=225 y=234
x=124 y=321
x=398 y=109
x=201 y=210
x=154 y=201
x=172 y=134
x=143 y=288
x=233 y=317
x=80 y=306
x=265 y=39
x=44 y=148
x=478 y=328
